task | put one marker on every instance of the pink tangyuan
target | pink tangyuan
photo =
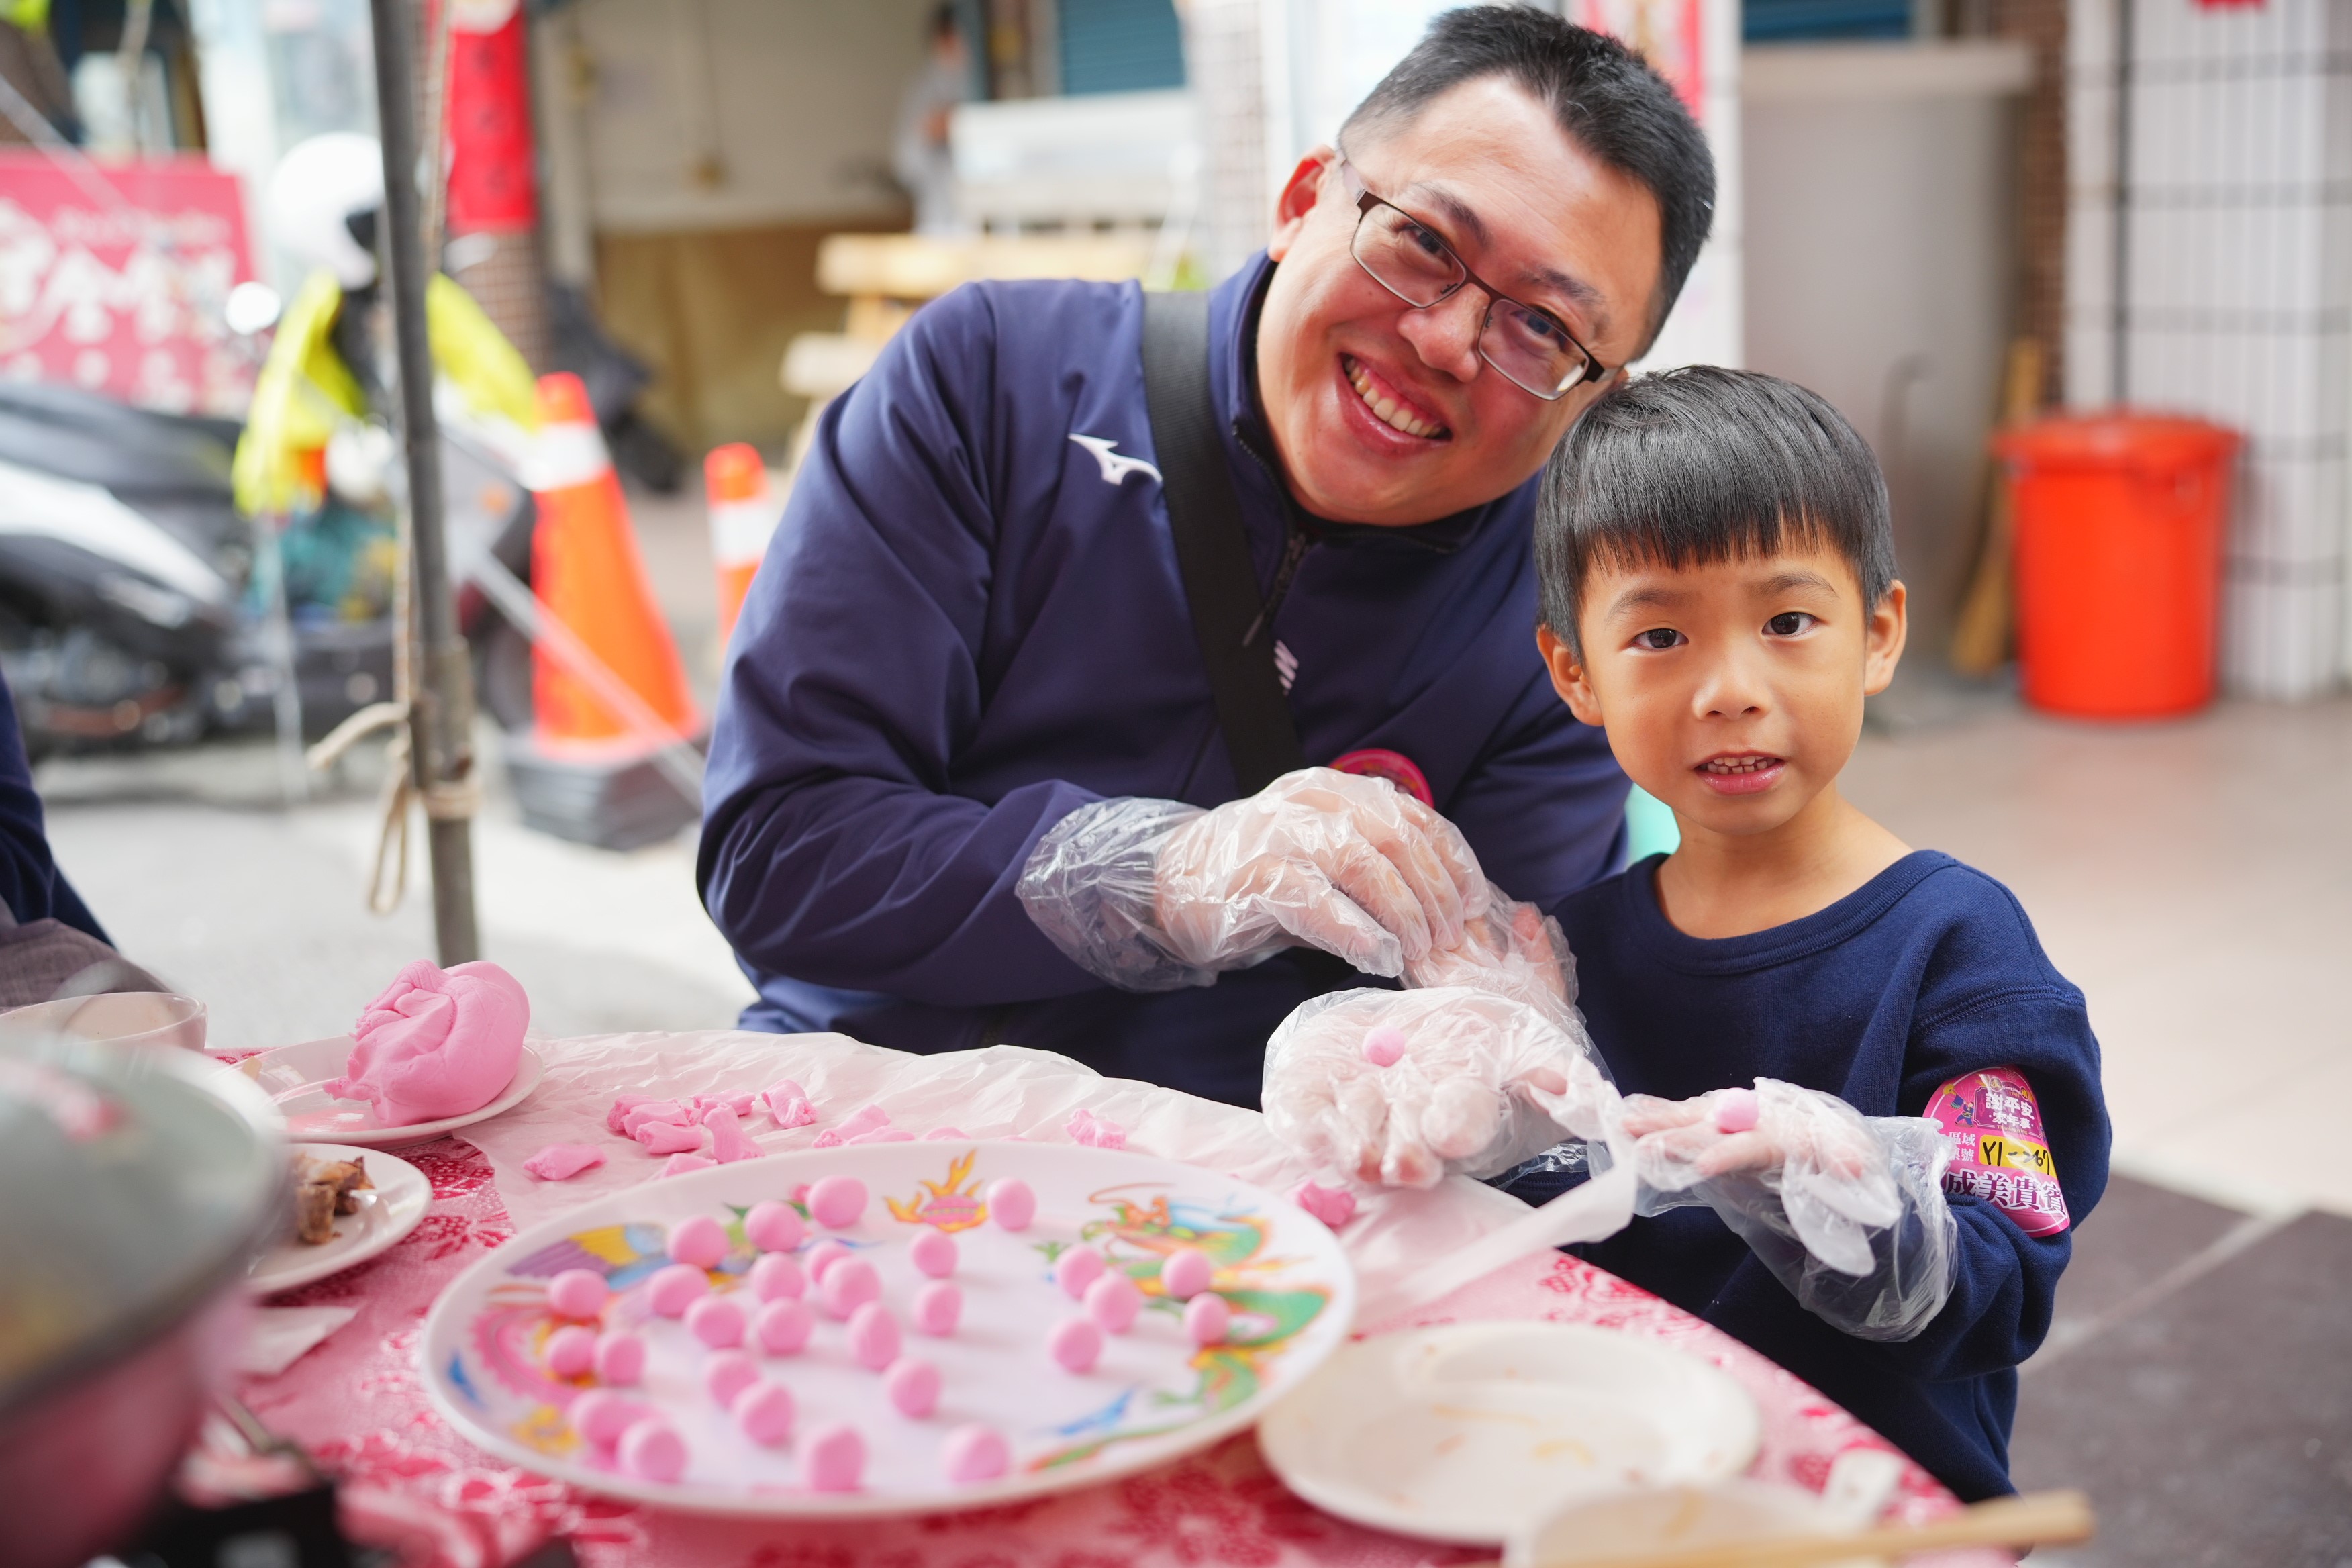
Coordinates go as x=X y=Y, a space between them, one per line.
x=602 y=1416
x=849 y=1285
x=912 y=1384
x=938 y=1306
x=945 y=1135
x=620 y=1358
x=717 y=1322
x=698 y=1239
x=975 y=1453
x=1076 y=1269
x=773 y=1226
x=1206 y=1317
x=1113 y=1301
x=571 y=1350
x=679 y=1164
x=782 y=1327
x=764 y=1410
x=1384 y=1046
x=1737 y=1110
x=933 y=1253
x=822 y=1257
x=577 y=1293
x=838 y=1202
x=651 y=1448
x=673 y=1290
x=832 y=1458
x=729 y=1373
x=776 y=1276
x=1074 y=1343
x=1186 y=1272
x=873 y=1336
x=1011 y=1203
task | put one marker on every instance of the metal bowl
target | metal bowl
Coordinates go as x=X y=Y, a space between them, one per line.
x=136 y=1187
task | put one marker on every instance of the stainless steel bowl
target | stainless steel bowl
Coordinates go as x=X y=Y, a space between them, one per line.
x=136 y=1187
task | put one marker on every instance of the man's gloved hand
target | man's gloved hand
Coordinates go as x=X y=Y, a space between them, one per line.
x=1513 y=949
x=1397 y=1088
x=1319 y=859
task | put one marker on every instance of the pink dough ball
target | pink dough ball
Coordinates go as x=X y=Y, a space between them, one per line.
x=571 y=1350
x=602 y=1416
x=772 y=1227
x=764 y=1410
x=673 y=1290
x=1206 y=1317
x=729 y=1373
x=1186 y=1273
x=1383 y=1046
x=699 y=1240
x=1112 y=1302
x=934 y=1253
x=974 y=1454
x=717 y=1322
x=1077 y=1344
x=1011 y=1204
x=1076 y=1268
x=838 y=1202
x=873 y=1336
x=938 y=1306
x=849 y=1285
x=652 y=1449
x=782 y=1326
x=1737 y=1110
x=577 y=1293
x=912 y=1384
x=777 y=1276
x=822 y=1257
x=832 y=1458
x=620 y=1358
x=1335 y=1206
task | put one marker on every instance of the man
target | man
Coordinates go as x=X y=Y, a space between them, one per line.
x=969 y=658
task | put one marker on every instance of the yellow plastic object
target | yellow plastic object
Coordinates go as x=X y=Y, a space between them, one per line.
x=476 y=356
x=304 y=391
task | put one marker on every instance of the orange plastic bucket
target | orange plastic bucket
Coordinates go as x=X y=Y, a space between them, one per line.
x=2120 y=521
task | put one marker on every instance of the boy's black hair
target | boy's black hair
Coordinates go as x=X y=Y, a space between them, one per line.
x=1605 y=98
x=1702 y=465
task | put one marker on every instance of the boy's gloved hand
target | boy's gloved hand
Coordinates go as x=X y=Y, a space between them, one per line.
x=1397 y=1088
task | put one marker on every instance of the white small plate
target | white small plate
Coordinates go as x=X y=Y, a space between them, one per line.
x=1472 y=1432
x=386 y=1214
x=296 y=1078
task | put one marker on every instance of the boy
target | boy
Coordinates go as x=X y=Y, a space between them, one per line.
x=1720 y=594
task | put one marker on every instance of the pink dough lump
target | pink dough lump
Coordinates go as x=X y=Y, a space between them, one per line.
x=782 y=1327
x=561 y=1161
x=1206 y=1317
x=933 y=1253
x=717 y=1322
x=822 y=1257
x=727 y=1144
x=620 y=1358
x=729 y=1373
x=602 y=1416
x=698 y=1239
x=436 y=1043
x=772 y=1227
x=791 y=1113
x=652 y=1449
x=832 y=1458
x=873 y=1336
x=777 y=1276
x=937 y=1308
x=1736 y=1111
x=1113 y=1301
x=577 y=1293
x=622 y=1105
x=647 y=1112
x=1095 y=1132
x=849 y=1285
x=883 y=1135
x=1011 y=1203
x=1076 y=1343
x=945 y=1135
x=975 y=1453
x=571 y=1351
x=1335 y=1206
x=912 y=1385
x=764 y=1410
x=673 y=1290
x=1077 y=1268
x=1186 y=1272
x=838 y=1202
x=1384 y=1046
x=679 y=1165
x=661 y=1138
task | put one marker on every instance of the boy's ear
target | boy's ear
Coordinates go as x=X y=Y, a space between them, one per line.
x=1569 y=677
x=1883 y=641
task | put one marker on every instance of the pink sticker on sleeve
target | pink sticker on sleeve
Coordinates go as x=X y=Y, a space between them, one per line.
x=1998 y=1153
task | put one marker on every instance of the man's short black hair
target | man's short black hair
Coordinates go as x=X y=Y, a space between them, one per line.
x=1605 y=98
x=1700 y=465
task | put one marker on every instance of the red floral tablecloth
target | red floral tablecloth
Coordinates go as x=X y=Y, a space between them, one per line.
x=357 y=1404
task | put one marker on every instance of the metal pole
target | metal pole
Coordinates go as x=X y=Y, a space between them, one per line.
x=2119 y=351
x=441 y=708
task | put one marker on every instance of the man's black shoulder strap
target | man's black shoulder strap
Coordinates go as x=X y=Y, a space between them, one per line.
x=1212 y=545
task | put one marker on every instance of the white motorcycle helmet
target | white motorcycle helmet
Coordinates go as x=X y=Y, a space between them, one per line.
x=317 y=189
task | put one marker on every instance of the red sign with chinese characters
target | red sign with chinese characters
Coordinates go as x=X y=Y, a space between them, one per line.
x=115 y=282
x=490 y=162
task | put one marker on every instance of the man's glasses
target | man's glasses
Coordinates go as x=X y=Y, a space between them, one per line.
x=1404 y=256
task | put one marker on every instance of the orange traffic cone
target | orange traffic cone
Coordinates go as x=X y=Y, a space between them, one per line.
x=742 y=521
x=586 y=569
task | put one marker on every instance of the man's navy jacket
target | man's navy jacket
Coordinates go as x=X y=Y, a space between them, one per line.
x=971 y=622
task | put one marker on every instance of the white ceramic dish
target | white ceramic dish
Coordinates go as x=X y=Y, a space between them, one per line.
x=295 y=1077
x=1626 y=1524
x=117 y=1017
x=1153 y=1395
x=386 y=1214
x=1471 y=1432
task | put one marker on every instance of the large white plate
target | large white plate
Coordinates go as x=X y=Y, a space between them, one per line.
x=386 y=1214
x=1153 y=1395
x=1472 y=1431
x=296 y=1079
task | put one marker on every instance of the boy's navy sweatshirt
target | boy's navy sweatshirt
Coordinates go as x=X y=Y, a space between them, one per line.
x=1930 y=972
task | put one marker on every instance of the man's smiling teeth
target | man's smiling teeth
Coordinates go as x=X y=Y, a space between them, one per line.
x=1737 y=765
x=1389 y=411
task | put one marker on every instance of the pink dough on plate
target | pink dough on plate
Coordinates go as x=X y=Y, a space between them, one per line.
x=933 y=1253
x=571 y=1350
x=698 y=1239
x=673 y=1290
x=832 y=1458
x=1113 y=1301
x=680 y=1163
x=822 y=1257
x=975 y=1453
x=437 y=1042
x=717 y=1322
x=602 y=1416
x=1076 y=1269
x=620 y=1358
x=1074 y=1343
x=772 y=1227
x=1011 y=1203
x=561 y=1161
x=651 y=1448
x=782 y=1327
x=577 y=1293
x=729 y=1373
x=912 y=1385
x=937 y=1308
x=849 y=1285
x=778 y=1275
x=836 y=1202
x=1186 y=1272
x=873 y=1336
x=1206 y=1317
x=765 y=1412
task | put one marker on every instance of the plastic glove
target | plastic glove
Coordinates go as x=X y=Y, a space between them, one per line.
x=1150 y=895
x=1513 y=949
x=1397 y=1088
x=1846 y=1210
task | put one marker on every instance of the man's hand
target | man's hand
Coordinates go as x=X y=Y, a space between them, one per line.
x=1353 y=866
x=1513 y=949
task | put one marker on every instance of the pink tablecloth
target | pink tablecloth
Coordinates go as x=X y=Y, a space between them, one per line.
x=356 y=1403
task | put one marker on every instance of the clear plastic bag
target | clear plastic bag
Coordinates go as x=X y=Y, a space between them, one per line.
x=1846 y=1210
